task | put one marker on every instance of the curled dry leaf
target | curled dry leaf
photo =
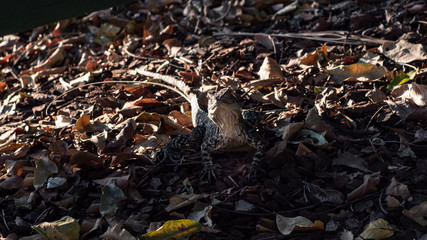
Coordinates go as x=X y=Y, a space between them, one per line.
x=83 y=124
x=200 y=211
x=404 y=51
x=127 y=131
x=414 y=92
x=270 y=69
x=418 y=213
x=369 y=185
x=407 y=111
x=278 y=97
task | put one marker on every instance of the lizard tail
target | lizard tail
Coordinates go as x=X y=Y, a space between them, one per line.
x=181 y=88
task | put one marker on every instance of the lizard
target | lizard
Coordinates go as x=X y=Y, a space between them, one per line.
x=222 y=128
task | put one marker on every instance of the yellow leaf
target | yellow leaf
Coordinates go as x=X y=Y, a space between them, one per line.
x=83 y=124
x=377 y=229
x=174 y=229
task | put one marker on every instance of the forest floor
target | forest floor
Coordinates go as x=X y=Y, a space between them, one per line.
x=340 y=87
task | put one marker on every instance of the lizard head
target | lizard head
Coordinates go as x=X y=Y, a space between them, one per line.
x=224 y=111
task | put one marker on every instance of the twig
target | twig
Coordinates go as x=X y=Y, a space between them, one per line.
x=340 y=37
x=380 y=202
x=225 y=14
x=373 y=116
x=4 y=219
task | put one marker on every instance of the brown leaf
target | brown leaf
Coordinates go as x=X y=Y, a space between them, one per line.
x=84 y=159
x=14 y=182
x=127 y=132
x=270 y=69
x=278 y=97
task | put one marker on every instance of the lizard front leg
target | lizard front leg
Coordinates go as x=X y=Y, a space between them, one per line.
x=208 y=165
x=257 y=142
x=171 y=150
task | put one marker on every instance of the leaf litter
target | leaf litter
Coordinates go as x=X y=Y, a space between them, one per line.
x=344 y=114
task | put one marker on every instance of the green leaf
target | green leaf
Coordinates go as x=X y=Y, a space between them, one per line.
x=174 y=229
x=111 y=196
x=66 y=228
x=401 y=79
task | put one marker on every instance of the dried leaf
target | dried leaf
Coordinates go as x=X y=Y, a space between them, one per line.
x=350 y=160
x=398 y=189
x=377 y=229
x=84 y=160
x=270 y=69
x=111 y=196
x=404 y=51
x=128 y=128
x=44 y=169
x=117 y=233
x=358 y=71
x=180 y=201
x=414 y=92
x=369 y=185
x=418 y=213
x=66 y=228
x=287 y=225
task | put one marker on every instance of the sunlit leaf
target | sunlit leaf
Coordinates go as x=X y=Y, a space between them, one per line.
x=400 y=79
x=377 y=229
x=270 y=69
x=404 y=52
x=174 y=229
x=358 y=71
x=83 y=124
x=66 y=228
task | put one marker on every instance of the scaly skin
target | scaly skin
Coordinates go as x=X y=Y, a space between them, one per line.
x=221 y=129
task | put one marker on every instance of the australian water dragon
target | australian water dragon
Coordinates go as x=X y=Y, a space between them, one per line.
x=220 y=129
